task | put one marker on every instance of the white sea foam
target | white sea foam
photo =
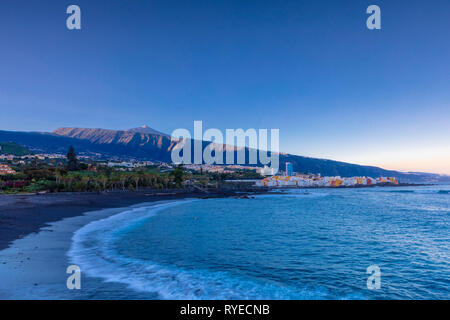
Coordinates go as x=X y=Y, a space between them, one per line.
x=294 y=193
x=92 y=251
x=421 y=191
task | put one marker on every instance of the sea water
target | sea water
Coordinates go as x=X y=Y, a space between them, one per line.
x=303 y=244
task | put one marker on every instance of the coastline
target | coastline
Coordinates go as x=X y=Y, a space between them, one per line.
x=36 y=235
x=21 y=215
x=35 y=266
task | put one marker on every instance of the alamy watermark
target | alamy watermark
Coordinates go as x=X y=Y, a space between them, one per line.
x=374 y=20
x=239 y=143
x=73 y=22
x=374 y=280
x=74 y=280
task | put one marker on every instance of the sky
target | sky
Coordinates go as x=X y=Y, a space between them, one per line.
x=312 y=69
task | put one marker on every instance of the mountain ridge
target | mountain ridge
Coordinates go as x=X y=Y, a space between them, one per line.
x=149 y=144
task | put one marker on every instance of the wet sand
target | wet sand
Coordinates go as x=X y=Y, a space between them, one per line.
x=34 y=267
x=36 y=233
x=21 y=215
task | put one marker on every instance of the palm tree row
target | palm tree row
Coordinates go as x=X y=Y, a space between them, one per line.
x=89 y=181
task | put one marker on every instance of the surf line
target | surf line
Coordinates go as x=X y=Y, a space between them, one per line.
x=192 y=310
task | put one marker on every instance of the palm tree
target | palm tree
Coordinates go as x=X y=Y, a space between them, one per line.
x=136 y=177
x=103 y=180
x=58 y=176
x=69 y=179
x=86 y=179
x=165 y=182
x=123 y=177
x=114 y=180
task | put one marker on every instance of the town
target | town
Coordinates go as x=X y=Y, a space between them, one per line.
x=22 y=171
x=291 y=179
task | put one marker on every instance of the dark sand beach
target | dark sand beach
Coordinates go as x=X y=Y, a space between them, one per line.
x=36 y=233
x=21 y=215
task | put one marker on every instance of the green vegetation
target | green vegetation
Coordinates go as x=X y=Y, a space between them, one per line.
x=73 y=175
x=11 y=148
x=178 y=175
x=49 y=179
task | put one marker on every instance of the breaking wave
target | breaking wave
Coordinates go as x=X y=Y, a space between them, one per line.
x=423 y=191
x=92 y=249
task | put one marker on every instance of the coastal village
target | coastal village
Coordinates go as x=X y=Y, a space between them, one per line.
x=292 y=179
x=315 y=181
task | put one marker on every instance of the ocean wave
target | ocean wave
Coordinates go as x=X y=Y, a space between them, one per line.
x=435 y=191
x=92 y=249
x=294 y=194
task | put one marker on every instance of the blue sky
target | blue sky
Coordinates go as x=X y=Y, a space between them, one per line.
x=310 y=68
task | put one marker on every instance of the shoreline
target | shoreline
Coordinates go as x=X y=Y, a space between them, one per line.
x=21 y=215
x=357 y=186
x=34 y=267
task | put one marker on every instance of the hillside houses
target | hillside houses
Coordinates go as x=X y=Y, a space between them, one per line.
x=305 y=182
x=5 y=169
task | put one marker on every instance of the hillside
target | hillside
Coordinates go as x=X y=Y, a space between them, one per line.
x=126 y=143
x=147 y=144
x=11 y=148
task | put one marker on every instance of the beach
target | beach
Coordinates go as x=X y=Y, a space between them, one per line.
x=36 y=232
x=177 y=246
x=40 y=259
x=21 y=215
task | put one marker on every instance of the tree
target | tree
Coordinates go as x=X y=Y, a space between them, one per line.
x=123 y=177
x=136 y=177
x=178 y=174
x=35 y=162
x=114 y=179
x=69 y=178
x=103 y=180
x=85 y=179
x=58 y=176
x=72 y=161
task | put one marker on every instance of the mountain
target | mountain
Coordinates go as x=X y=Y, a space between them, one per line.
x=145 y=143
x=147 y=129
x=122 y=143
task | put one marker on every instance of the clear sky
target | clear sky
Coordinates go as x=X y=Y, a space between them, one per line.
x=310 y=68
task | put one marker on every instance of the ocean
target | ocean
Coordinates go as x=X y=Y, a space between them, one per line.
x=303 y=244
